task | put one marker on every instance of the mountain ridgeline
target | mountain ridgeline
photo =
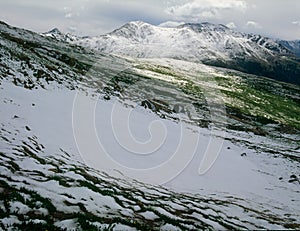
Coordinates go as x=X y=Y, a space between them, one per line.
x=211 y=44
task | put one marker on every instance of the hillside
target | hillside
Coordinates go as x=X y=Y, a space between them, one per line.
x=211 y=148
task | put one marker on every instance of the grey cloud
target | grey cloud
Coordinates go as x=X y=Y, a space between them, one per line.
x=203 y=9
x=253 y=24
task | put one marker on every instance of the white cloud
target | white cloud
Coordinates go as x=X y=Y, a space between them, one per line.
x=170 y=24
x=72 y=29
x=297 y=23
x=253 y=24
x=71 y=13
x=195 y=9
x=68 y=15
x=231 y=25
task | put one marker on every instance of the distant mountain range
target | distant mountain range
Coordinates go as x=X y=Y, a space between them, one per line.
x=211 y=44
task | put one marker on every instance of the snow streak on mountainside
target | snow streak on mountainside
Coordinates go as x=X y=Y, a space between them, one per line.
x=45 y=184
x=211 y=44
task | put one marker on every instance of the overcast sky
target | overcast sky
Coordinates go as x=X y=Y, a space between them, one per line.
x=273 y=18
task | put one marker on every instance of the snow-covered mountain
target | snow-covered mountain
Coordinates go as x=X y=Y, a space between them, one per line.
x=293 y=46
x=58 y=35
x=57 y=98
x=208 y=43
x=195 y=42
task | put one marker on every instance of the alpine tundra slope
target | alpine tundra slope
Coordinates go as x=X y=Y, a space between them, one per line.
x=52 y=177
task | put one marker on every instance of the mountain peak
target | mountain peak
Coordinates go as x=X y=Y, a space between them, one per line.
x=138 y=23
x=58 y=35
x=54 y=31
x=134 y=29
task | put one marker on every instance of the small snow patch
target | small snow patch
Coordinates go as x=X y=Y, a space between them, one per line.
x=169 y=227
x=70 y=224
x=149 y=215
x=18 y=207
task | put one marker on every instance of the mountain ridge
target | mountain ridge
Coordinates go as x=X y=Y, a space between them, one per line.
x=288 y=45
x=215 y=45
